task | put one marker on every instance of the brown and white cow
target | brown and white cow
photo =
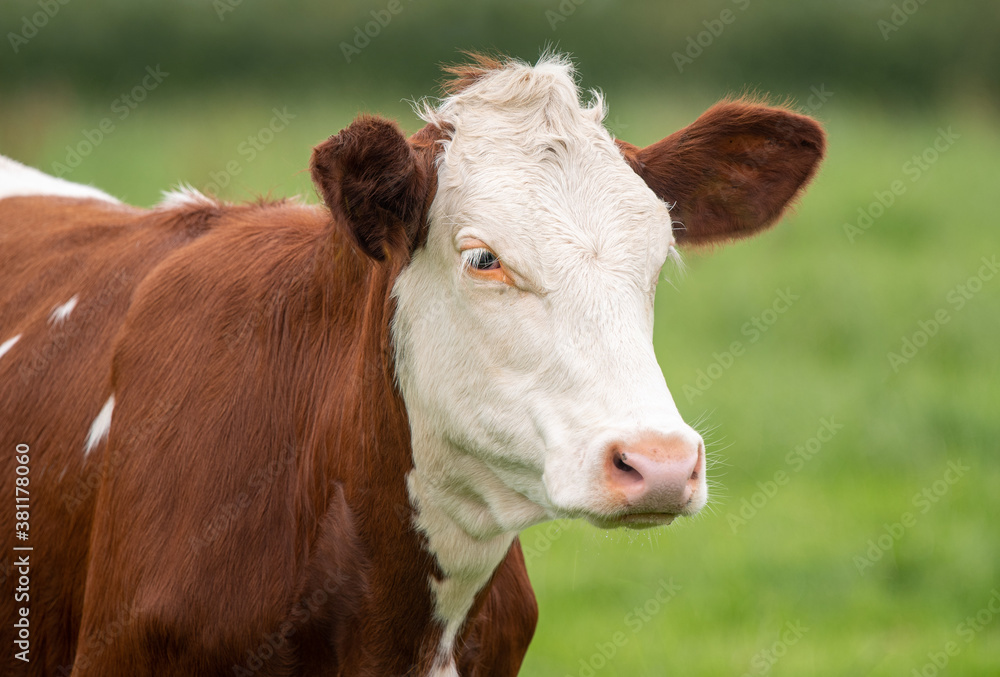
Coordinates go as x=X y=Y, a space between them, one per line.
x=285 y=439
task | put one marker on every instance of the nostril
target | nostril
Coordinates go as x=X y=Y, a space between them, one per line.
x=619 y=461
x=662 y=474
x=622 y=465
x=621 y=473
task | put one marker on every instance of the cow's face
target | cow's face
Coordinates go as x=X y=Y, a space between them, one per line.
x=524 y=320
x=524 y=324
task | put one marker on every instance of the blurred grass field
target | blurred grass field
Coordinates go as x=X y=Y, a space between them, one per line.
x=794 y=556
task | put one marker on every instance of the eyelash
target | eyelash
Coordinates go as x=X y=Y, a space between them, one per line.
x=480 y=258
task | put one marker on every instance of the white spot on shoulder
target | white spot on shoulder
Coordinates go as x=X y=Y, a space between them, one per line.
x=17 y=180
x=8 y=344
x=99 y=428
x=183 y=195
x=60 y=313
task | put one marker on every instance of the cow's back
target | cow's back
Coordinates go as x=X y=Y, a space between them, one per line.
x=167 y=369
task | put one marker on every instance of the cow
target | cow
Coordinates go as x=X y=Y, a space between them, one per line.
x=283 y=438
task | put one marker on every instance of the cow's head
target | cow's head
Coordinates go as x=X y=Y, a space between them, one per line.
x=524 y=317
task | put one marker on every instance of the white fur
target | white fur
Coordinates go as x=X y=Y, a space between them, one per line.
x=8 y=344
x=446 y=669
x=17 y=180
x=100 y=427
x=183 y=195
x=514 y=393
x=60 y=313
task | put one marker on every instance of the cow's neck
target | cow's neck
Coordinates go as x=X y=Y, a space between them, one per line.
x=440 y=570
x=432 y=547
x=363 y=447
x=467 y=545
x=469 y=518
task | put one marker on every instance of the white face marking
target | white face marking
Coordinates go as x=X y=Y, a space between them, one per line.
x=99 y=428
x=517 y=392
x=8 y=344
x=60 y=313
x=17 y=180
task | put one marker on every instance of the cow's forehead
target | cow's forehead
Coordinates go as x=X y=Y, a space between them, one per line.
x=530 y=166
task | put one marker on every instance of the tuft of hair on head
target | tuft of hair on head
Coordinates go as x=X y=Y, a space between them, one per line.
x=461 y=76
x=553 y=74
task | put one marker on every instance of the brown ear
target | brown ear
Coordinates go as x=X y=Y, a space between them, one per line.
x=731 y=173
x=375 y=183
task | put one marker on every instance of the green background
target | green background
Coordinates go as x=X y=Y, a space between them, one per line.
x=811 y=544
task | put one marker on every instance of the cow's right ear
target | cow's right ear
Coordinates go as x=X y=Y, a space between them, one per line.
x=376 y=183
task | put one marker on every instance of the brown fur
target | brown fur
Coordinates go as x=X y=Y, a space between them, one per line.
x=378 y=182
x=733 y=172
x=248 y=512
x=466 y=74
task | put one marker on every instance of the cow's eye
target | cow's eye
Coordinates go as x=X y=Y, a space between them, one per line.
x=481 y=258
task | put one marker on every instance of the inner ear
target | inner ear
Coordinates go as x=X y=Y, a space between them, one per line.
x=731 y=173
x=377 y=184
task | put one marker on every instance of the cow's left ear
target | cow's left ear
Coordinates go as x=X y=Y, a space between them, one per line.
x=376 y=183
x=732 y=172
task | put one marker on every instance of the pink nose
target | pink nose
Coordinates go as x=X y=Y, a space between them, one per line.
x=657 y=473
